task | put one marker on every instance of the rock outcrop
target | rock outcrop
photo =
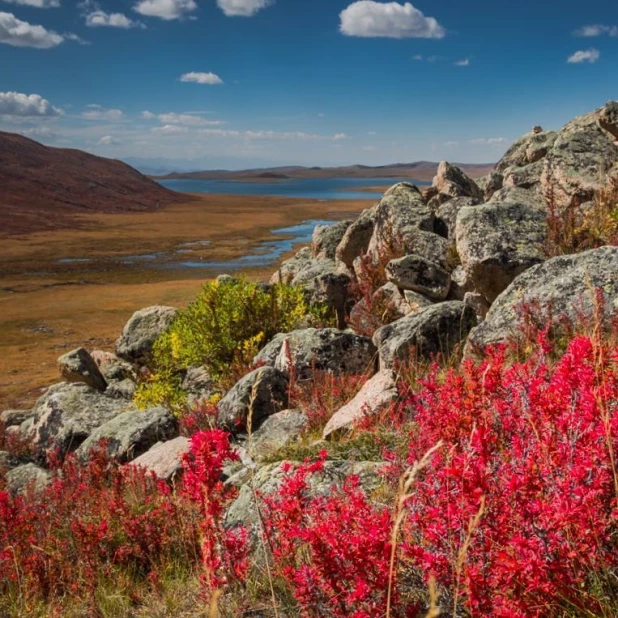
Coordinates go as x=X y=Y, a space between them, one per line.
x=79 y=366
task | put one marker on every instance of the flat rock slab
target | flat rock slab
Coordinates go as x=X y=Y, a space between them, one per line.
x=164 y=459
x=277 y=431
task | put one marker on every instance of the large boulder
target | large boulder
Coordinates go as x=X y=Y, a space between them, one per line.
x=199 y=385
x=529 y=148
x=12 y=418
x=436 y=330
x=608 y=119
x=498 y=241
x=355 y=240
x=526 y=177
x=377 y=394
x=564 y=287
x=113 y=368
x=326 y=238
x=79 y=366
x=276 y=432
x=164 y=459
x=131 y=434
x=258 y=395
x=68 y=413
x=327 y=349
x=490 y=183
x=141 y=331
x=412 y=272
x=27 y=477
x=450 y=181
x=446 y=215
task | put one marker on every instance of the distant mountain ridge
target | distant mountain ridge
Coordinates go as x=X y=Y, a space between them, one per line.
x=43 y=188
x=419 y=170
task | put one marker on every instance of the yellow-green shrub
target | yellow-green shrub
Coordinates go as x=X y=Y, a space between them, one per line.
x=225 y=326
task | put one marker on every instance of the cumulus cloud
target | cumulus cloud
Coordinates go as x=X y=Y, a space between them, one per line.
x=367 y=18
x=170 y=129
x=595 y=30
x=39 y=4
x=108 y=140
x=26 y=105
x=243 y=8
x=96 y=112
x=165 y=9
x=589 y=55
x=210 y=79
x=340 y=136
x=20 y=33
x=463 y=63
x=98 y=19
x=39 y=132
x=491 y=141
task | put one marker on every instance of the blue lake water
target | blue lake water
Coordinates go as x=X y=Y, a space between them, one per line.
x=310 y=188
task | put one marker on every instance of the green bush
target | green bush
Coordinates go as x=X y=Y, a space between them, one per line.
x=224 y=327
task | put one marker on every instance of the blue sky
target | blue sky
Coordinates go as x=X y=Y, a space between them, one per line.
x=239 y=83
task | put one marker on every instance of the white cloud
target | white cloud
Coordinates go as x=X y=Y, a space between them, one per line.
x=170 y=129
x=39 y=132
x=367 y=18
x=451 y=144
x=108 y=140
x=201 y=78
x=96 y=112
x=371 y=133
x=418 y=57
x=26 y=105
x=463 y=63
x=148 y=115
x=590 y=55
x=189 y=120
x=491 y=141
x=165 y=9
x=243 y=8
x=340 y=136
x=39 y=4
x=98 y=18
x=594 y=30
x=20 y=33
x=271 y=135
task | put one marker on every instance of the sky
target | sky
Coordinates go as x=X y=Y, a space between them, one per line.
x=208 y=84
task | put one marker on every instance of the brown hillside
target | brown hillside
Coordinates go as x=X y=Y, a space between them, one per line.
x=44 y=188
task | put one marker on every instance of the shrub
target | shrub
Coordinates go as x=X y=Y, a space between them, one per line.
x=223 y=328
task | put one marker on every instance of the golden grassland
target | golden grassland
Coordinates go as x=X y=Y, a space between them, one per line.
x=48 y=308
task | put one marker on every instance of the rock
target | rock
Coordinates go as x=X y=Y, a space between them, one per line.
x=450 y=181
x=461 y=284
x=290 y=268
x=356 y=238
x=446 y=215
x=11 y=418
x=416 y=302
x=435 y=330
x=164 y=459
x=268 y=479
x=578 y=163
x=498 y=241
x=113 y=368
x=377 y=395
x=27 y=476
x=277 y=431
x=141 y=331
x=526 y=177
x=608 y=119
x=131 y=434
x=527 y=149
x=122 y=389
x=415 y=273
x=490 y=183
x=567 y=284
x=479 y=303
x=68 y=413
x=79 y=366
x=326 y=349
x=224 y=279
x=326 y=238
x=260 y=393
x=199 y=385
x=387 y=305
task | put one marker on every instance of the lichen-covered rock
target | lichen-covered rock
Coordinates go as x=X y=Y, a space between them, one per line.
x=529 y=148
x=526 y=177
x=435 y=330
x=608 y=119
x=260 y=393
x=199 y=385
x=277 y=431
x=68 y=413
x=479 y=303
x=122 y=389
x=79 y=366
x=164 y=459
x=566 y=284
x=412 y=272
x=12 y=418
x=415 y=302
x=451 y=181
x=327 y=349
x=446 y=215
x=326 y=238
x=27 y=476
x=131 y=434
x=141 y=331
x=490 y=183
x=376 y=395
x=498 y=241
x=113 y=368
x=355 y=240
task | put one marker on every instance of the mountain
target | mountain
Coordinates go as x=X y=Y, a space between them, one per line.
x=44 y=187
x=420 y=170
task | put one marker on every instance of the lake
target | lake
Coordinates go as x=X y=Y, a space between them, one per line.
x=310 y=188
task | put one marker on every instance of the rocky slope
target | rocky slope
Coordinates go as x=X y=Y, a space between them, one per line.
x=469 y=254
x=43 y=187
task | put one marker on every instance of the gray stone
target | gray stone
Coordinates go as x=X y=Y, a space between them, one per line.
x=11 y=418
x=131 y=434
x=446 y=215
x=415 y=273
x=498 y=241
x=326 y=238
x=490 y=183
x=608 y=119
x=566 y=284
x=113 y=368
x=377 y=394
x=526 y=177
x=164 y=459
x=479 y=303
x=68 y=413
x=451 y=181
x=199 y=385
x=141 y=331
x=79 y=366
x=356 y=239
x=326 y=349
x=527 y=149
x=122 y=389
x=27 y=477
x=416 y=302
x=276 y=432
x=259 y=394
x=436 y=330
